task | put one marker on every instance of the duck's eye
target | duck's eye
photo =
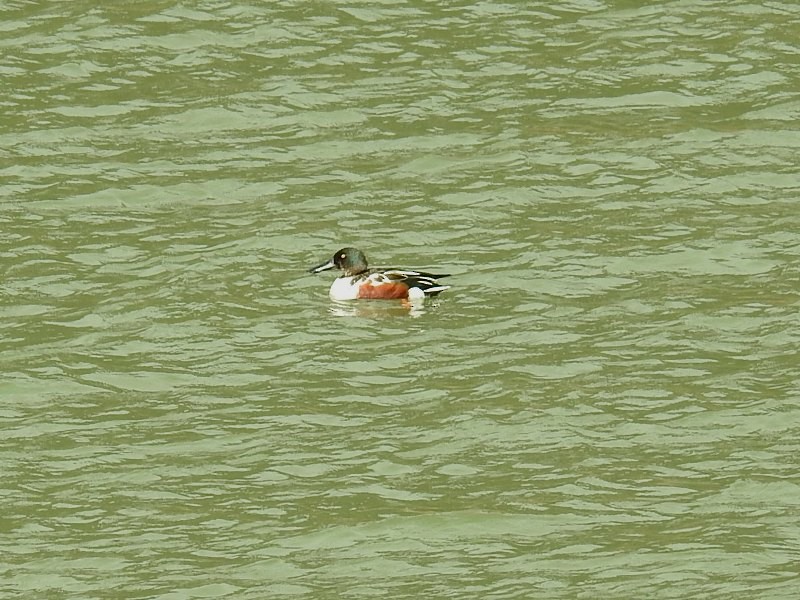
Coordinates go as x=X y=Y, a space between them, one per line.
x=342 y=255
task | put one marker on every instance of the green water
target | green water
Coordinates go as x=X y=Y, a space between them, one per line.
x=605 y=404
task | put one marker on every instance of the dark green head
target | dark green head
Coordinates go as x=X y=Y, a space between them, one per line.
x=350 y=260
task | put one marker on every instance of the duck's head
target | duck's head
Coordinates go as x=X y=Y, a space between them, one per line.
x=350 y=260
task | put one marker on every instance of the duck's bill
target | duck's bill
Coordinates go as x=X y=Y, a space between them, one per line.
x=323 y=267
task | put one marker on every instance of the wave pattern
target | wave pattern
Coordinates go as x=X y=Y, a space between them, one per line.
x=604 y=405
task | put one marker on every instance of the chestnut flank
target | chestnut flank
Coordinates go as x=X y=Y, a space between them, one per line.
x=384 y=291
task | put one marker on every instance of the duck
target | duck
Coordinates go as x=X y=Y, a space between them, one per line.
x=358 y=282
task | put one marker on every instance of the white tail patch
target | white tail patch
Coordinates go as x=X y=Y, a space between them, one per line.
x=416 y=293
x=437 y=289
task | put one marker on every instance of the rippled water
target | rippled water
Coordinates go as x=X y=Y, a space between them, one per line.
x=604 y=405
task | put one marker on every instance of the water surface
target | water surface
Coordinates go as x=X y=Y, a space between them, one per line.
x=604 y=405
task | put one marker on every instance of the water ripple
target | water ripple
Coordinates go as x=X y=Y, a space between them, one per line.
x=603 y=405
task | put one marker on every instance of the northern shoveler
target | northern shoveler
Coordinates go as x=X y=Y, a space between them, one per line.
x=359 y=282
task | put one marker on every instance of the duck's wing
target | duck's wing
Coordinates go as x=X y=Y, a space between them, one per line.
x=412 y=279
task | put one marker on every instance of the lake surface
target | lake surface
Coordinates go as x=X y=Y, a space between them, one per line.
x=604 y=405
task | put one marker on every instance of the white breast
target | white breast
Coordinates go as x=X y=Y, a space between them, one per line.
x=343 y=289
